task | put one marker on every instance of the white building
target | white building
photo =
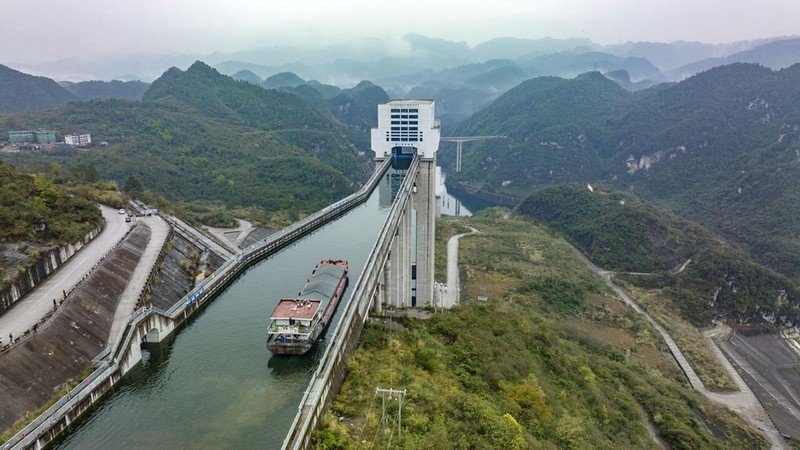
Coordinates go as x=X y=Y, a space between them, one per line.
x=78 y=139
x=406 y=127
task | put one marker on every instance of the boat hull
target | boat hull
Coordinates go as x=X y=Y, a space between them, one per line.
x=288 y=344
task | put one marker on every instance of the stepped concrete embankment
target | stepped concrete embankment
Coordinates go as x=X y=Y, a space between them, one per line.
x=40 y=365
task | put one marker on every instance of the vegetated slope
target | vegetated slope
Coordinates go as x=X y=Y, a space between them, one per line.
x=555 y=130
x=20 y=92
x=551 y=360
x=720 y=148
x=620 y=232
x=199 y=135
x=126 y=90
x=203 y=89
x=28 y=201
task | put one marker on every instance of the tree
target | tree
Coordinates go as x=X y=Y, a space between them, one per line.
x=133 y=186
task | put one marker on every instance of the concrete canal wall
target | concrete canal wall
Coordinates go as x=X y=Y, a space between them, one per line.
x=345 y=338
x=37 y=272
x=150 y=324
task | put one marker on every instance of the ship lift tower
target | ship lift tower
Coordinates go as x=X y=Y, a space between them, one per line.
x=459 y=140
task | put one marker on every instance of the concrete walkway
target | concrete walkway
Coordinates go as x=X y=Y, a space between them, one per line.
x=159 y=230
x=743 y=402
x=223 y=252
x=34 y=306
x=232 y=236
x=453 y=288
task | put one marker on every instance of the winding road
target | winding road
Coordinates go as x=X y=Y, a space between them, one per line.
x=743 y=402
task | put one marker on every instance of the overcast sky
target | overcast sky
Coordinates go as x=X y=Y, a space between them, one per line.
x=34 y=31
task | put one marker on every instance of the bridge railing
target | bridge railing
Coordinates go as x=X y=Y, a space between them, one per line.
x=229 y=270
x=316 y=394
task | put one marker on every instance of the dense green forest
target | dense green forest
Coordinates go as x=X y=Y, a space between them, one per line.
x=551 y=360
x=720 y=148
x=619 y=232
x=28 y=201
x=201 y=136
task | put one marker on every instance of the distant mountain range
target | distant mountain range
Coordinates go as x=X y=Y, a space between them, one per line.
x=720 y=148
x=90 y=90
x=464 y=77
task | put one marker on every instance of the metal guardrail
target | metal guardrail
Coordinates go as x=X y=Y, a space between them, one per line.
x=205 y=290
x=314 y=395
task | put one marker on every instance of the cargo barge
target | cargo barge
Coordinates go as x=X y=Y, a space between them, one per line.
x=296 y=323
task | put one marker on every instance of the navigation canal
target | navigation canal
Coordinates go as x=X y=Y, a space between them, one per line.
x=215 y=385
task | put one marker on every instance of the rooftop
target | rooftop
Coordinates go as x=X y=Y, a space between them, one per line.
x=426 y=101
x=289 y=308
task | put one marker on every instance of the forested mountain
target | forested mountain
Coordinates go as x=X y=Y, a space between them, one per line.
x=704 y=276
x=20 y=92
x=720 y=148
x=200 y=135
x=89 y=90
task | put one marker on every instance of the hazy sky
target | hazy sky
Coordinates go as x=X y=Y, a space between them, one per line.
x=40 y=30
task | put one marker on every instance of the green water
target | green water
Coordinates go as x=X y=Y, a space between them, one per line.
x=215 y=384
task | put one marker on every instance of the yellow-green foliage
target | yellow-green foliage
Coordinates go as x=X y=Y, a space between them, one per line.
x=517 y=372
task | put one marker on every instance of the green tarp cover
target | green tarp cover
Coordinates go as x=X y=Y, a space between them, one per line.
x=323 y=283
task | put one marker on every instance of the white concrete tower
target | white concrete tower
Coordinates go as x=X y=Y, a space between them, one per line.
x=406 y=125
x=406 y=128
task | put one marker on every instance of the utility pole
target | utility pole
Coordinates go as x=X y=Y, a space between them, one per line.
x=401 y=395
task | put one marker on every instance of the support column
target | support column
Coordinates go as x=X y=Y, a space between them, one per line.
x=425 y=204
x=393 y=286
x=403 y=266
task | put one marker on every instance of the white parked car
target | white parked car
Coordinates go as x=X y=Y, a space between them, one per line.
x=122 y=211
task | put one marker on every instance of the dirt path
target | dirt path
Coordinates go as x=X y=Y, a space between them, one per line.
x=743 y=402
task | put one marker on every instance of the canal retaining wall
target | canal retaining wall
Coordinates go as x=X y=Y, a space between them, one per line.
x=345 y=338
x=150 y=324
x=37 y=272
x=40 y=364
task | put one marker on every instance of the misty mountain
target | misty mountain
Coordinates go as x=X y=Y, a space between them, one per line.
x=88 y=90
x=246 y=75
x=513 y=48
x=283 y=79
x=566 y=64
x=20 y=92
x=775 y=55
x=719 y=148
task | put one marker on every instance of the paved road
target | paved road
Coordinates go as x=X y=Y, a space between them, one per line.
x=453 y=288
x=36 y=304
x=743 y=402
x=159 y=230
